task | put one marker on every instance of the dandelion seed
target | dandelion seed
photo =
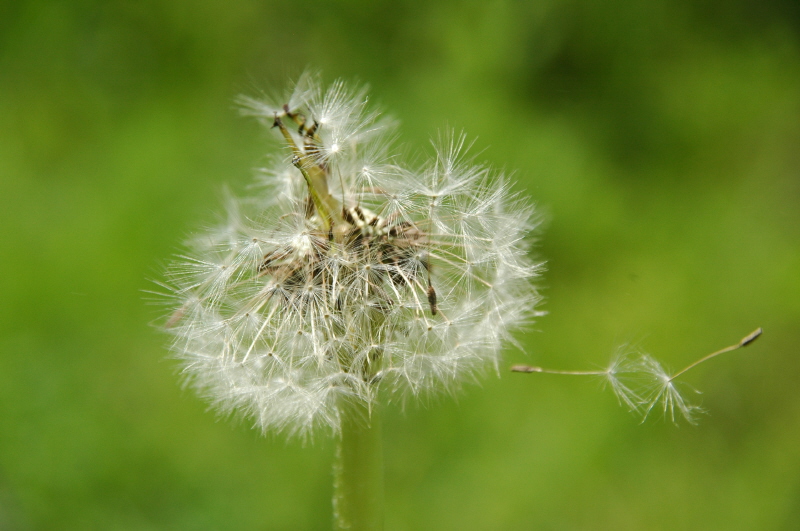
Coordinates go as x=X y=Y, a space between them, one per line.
x=641 y=384
x=347 y=273
x=663 y=389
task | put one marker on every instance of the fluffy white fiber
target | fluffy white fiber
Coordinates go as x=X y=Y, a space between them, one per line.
x=347 y=272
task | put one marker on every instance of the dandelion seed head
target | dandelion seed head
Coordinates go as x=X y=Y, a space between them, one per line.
x=346 y=273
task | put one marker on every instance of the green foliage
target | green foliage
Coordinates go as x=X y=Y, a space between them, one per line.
x=660 y=137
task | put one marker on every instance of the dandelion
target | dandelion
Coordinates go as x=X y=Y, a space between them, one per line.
x=348 y=273
x=641 y=383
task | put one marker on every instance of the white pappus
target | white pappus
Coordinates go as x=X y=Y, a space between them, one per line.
x=347 y=272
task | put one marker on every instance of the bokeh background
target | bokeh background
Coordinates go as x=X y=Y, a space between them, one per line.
x=661 y=139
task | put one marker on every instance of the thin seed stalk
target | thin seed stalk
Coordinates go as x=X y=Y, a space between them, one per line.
x=358 y=471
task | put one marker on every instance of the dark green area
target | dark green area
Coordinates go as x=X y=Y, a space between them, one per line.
x=661 y=139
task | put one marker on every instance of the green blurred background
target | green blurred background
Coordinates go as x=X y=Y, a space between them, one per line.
x=661 y=139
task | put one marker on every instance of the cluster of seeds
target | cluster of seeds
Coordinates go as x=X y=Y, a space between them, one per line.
x=347 y=272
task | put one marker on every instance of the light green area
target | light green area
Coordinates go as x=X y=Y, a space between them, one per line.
x=661 y=140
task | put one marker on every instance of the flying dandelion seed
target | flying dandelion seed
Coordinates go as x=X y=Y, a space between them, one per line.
x=642 y=384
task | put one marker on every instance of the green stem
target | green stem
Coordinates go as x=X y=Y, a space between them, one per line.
x=358 y=471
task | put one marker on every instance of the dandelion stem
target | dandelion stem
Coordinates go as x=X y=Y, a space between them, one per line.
x=358 y=471
x=749 y=338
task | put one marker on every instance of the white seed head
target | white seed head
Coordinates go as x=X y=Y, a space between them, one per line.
x=349 y=273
